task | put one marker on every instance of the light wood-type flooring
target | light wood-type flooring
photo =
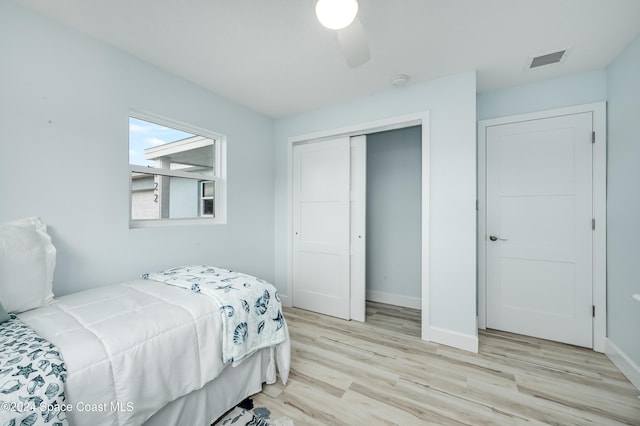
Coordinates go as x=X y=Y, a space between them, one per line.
x=381 y=373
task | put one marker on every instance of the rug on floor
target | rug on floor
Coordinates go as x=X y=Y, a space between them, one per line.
x=245 y=414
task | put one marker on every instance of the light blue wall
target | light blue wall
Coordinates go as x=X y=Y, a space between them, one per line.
x=577 y=89
x=623 y=201
x=394 y=212
x=451 y=102
x=64 y=106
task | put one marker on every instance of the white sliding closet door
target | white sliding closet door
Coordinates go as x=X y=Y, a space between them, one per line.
x=321 y=226
x=358 y=227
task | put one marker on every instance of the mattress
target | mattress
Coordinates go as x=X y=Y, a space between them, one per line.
x=132 y=348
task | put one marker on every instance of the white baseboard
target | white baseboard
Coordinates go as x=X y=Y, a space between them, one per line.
x=467 y=342
x=286 y=302
x=625 y=364
x=394 y=299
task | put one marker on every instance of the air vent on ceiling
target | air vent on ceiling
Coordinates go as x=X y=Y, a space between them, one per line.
x=546 y=59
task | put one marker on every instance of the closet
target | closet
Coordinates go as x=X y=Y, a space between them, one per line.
x=357 y=221
x=393 y=216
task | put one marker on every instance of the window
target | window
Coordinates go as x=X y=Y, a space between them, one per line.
x=175 y=173
x=207 y=205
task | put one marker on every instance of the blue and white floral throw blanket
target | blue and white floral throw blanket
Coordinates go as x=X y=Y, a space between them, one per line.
x=250 y=307
x=32 y=377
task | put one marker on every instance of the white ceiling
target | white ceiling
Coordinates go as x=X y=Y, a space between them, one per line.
x=274 y=57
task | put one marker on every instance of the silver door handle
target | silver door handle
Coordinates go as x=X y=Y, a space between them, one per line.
x=494 y=238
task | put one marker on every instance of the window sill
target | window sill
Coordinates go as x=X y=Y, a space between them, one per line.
x=153 y=223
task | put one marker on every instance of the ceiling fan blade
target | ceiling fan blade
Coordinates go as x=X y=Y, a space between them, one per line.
x=355 y=46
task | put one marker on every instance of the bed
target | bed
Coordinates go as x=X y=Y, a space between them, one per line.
x=148 y=351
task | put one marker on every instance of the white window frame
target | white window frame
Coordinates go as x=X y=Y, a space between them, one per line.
x=204 y=198
x=219 y=179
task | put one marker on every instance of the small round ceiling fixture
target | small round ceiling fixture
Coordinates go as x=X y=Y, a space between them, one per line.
x=399 y=80
x=336 y=14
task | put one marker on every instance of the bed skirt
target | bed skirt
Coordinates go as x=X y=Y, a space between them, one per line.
x=204 y=406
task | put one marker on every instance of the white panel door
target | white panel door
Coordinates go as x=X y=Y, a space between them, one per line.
x=358 y=227
x=321 y=219
x=539 y=228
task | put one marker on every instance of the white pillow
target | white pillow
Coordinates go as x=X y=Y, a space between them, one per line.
x=27 y=261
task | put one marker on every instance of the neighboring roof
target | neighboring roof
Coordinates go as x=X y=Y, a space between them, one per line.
x=194 y=151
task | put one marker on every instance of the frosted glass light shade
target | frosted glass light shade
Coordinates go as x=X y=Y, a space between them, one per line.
x=336 y=14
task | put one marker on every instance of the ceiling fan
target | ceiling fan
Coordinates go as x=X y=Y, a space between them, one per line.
x=341 y=15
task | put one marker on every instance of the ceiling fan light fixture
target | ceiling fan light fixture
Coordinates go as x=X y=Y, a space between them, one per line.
x=336 y=14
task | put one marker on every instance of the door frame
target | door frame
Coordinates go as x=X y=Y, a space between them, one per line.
x=599 y=259
x=391 y=123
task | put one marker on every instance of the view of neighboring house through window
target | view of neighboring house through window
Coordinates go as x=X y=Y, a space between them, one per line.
x=174 y=172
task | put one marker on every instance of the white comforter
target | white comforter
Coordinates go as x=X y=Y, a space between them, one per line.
x=251 y=320
x=132 y=348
